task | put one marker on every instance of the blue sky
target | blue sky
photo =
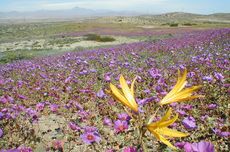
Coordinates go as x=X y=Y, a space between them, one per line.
x=146 y=6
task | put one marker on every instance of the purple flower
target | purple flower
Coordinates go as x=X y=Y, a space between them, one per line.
x=180 y=144
x=21 y=97
x=221 y=133
x=124 y=117
x=110 y=150
x=78 y=106
x=25 y=149
x=174 y=104
x=83 y=115
x=181 y=112
x=147 y=91
x=100 y=94
x=74 y=127
x=31 y=113
x=54 y=107
x=191 y=74
x=207 y=78
x=2 y=82
x=155 y=73
x=219 y=76
x=203 y=146
x=212 y=106
x=1 y=132
x=224 y=134
x=67 y=80
x=83 y=72
x=90 y=137
x=188 y=147
x=6 y=98
x=19 y=149
x=10 y=150
x=204 y=117
x=187 y=107
x=189 y=123
x=130 y=149
x=159 y=89
x=107 y=78
x=58 y=145
x=120 y=126
x=90 y=129
x=107 y=122
x=1 y=115
x=93 y=70
x=40 y=106
x=3 y=99
x=146 y=100
x=44 y=76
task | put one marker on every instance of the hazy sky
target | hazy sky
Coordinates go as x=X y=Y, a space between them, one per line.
x=146 y=6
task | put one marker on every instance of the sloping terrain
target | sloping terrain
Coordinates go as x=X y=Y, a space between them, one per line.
x=177 y=17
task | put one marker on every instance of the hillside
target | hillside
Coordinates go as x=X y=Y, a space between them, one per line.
x=175 y=17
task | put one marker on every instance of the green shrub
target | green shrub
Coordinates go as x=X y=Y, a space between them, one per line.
x=189 y=24
x=173 y=24
x=93 y=37
x=107 y=39
x=98 y=38
x=11 y=56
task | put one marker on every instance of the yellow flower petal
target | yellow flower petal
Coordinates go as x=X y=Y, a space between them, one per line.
x=164 y=118
x=161 y=124
x=119 y=96
x=180 y=83
x=183 y=94
x=159 y=129
x=188 y=98
x=128 y=93
x=132 y=85
x=162 y=139
x=168 y=122
x=177 y=93
x=165 y=141
x=171 y=132
x=188 y=91
x=167 y=115
x=126 y=96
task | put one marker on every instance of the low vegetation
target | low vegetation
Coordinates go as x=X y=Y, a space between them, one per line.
x=98 y=38
x=69 y=102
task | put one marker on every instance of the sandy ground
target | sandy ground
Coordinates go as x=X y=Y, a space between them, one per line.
x=43 y=44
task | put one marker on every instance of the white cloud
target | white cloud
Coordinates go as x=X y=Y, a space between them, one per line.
x=101 y=4
x=55 y=6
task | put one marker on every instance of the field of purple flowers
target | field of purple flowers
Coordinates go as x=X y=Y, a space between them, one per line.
x=60 y=103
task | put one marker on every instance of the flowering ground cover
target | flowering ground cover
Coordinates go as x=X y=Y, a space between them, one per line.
x=64 y=103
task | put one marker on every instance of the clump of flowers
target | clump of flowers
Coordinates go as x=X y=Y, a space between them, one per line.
x=58 y=145
x=19 y=149
x=202 y=146
x=160 y=129
x=189 y=123
x=74 y=126
x=120 y=126
x=90 y=135
x=1 y=133
x=130 y=149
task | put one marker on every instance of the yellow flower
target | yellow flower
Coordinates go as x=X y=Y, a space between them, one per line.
x=160 y=129
x=126 y=96
x=178 y=93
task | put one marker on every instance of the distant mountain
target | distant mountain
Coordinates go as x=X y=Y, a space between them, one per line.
x=225 y=16
x=76 y=12
x=113 y=16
